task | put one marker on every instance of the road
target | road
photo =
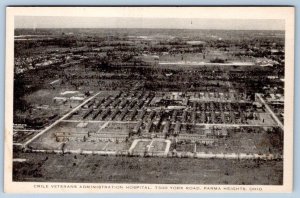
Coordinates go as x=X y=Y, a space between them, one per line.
x=197 y=124
x=270 y=111
x=102 y=121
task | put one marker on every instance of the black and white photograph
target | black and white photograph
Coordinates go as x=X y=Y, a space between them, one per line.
x=149 y=99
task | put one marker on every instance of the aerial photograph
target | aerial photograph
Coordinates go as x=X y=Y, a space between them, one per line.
x=148 y=101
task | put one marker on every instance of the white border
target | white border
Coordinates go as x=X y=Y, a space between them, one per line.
x=286 y=13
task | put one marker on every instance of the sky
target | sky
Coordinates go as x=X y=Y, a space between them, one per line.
x=165 y=23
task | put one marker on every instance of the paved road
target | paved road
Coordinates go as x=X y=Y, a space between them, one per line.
x=57 y=121
x=101 y=121
x=270 y=111
x=198 y=124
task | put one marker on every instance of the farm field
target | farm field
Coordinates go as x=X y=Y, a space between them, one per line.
x=110 y=169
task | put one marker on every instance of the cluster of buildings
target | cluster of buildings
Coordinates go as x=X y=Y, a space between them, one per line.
x=173 y=115
x=68 y=97
x=62 y=59
x=84 y=133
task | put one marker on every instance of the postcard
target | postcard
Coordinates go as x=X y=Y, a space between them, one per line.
x=149 y=99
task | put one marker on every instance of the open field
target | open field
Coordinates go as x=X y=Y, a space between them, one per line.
x=109 y=169
x=241 y=142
